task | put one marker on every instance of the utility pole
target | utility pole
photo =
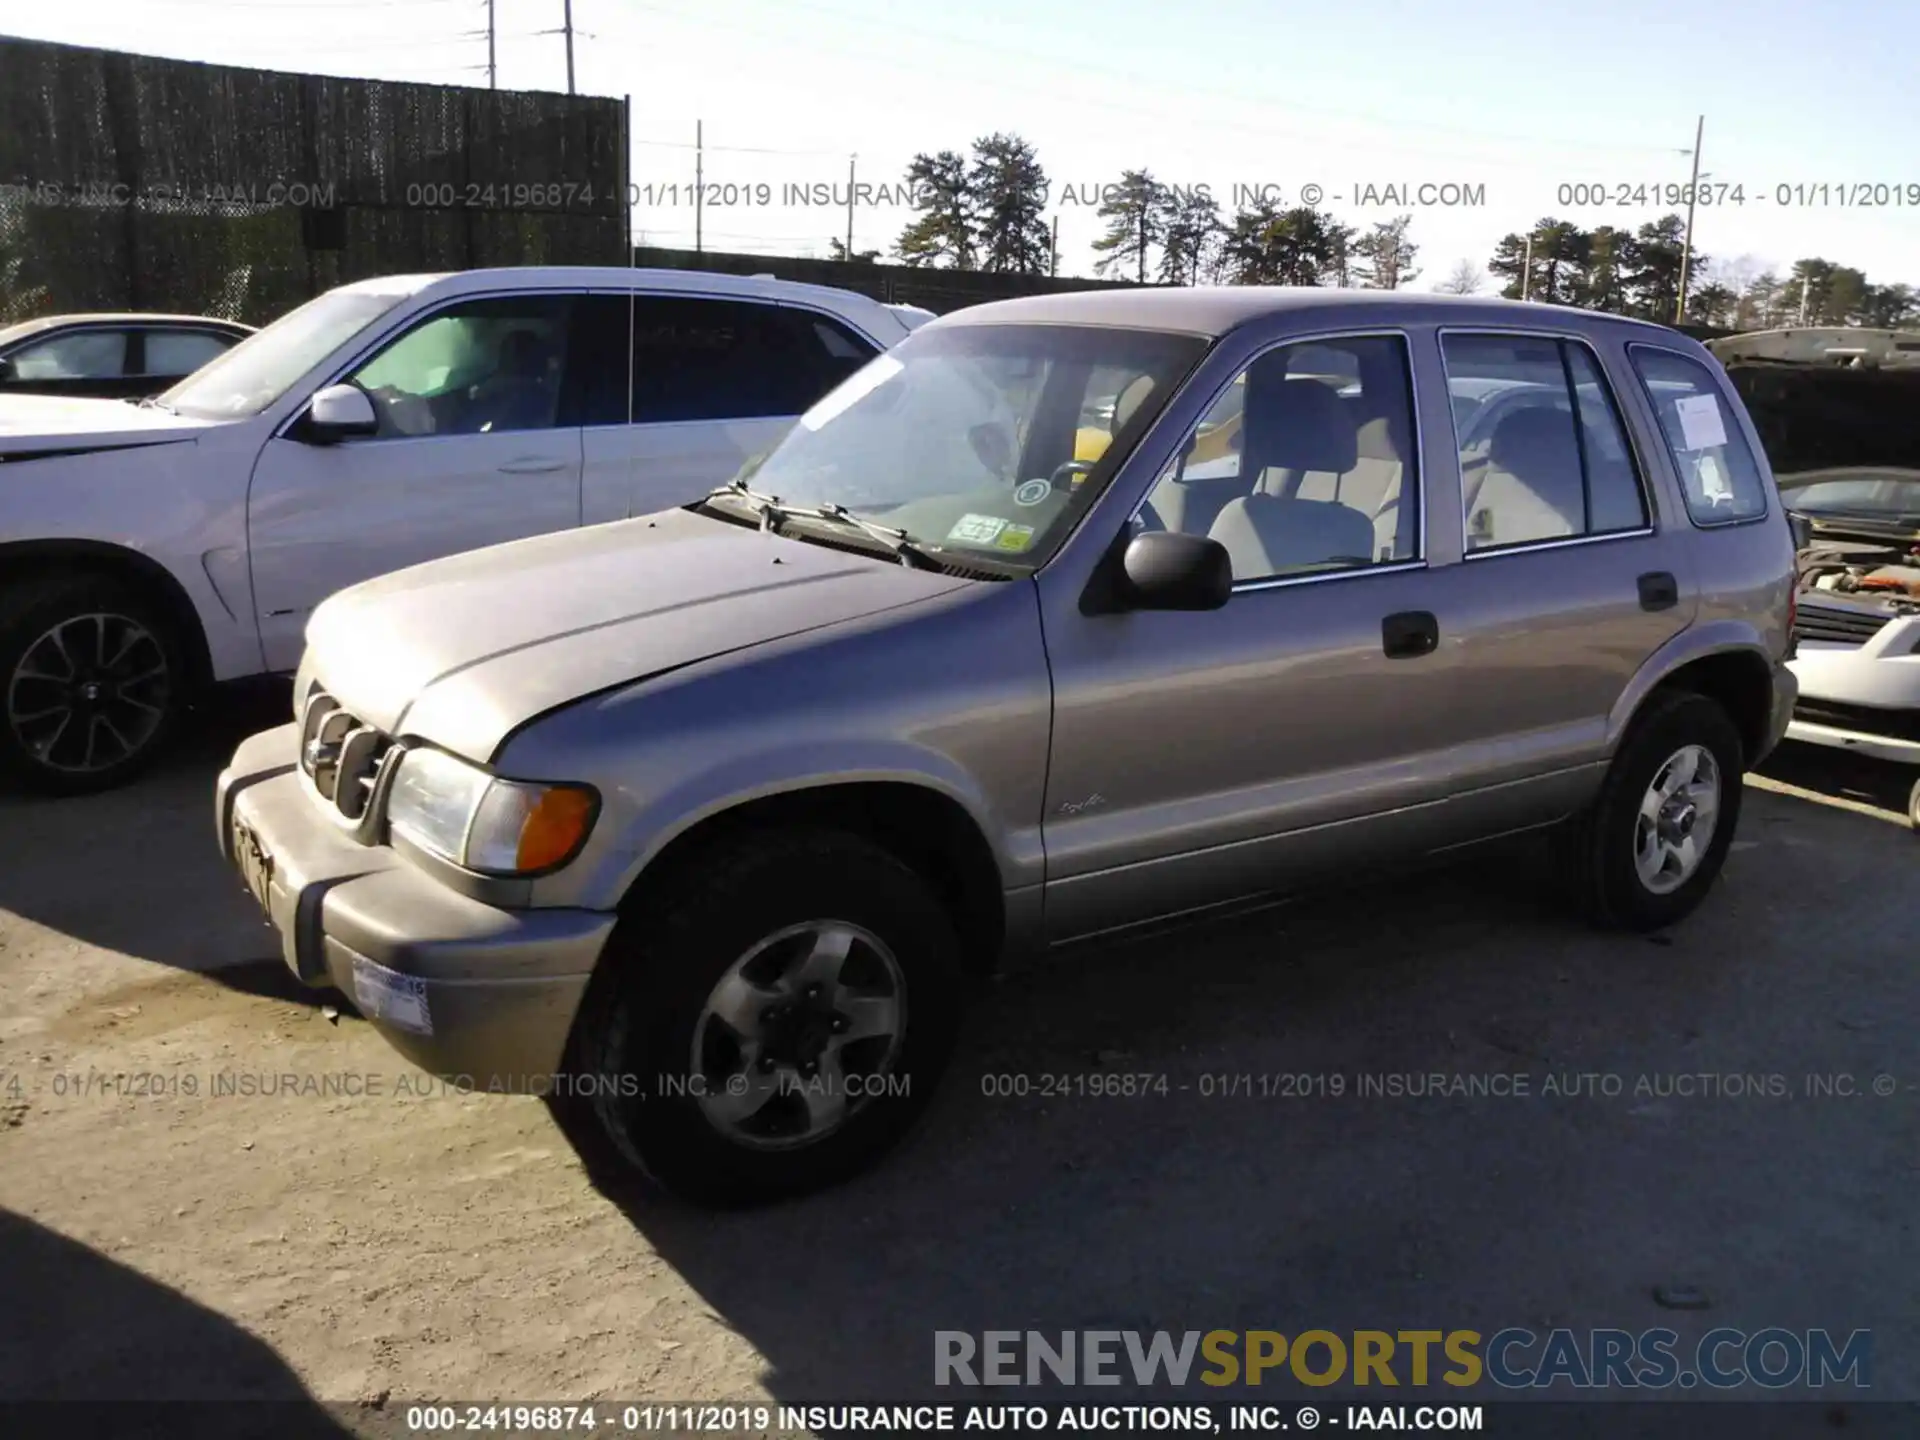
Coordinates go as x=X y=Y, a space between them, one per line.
x=852 y=160
x=568 y=25
x=490 y=34
x=699 y=178
x=1053 y=264
x=1526 y=269
x=1143 y=243
x=1686 y=250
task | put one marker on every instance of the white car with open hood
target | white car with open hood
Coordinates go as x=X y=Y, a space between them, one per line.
x=149 y=550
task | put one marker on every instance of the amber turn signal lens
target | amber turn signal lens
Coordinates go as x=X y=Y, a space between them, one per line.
x=554 y=828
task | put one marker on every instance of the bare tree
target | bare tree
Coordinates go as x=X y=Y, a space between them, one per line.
x=1466 y=278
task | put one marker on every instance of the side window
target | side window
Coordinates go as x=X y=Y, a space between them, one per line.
x=1305 y=463
x=697 y=359
x=83 y=355
x=1717 y=470
x=1543 y=455
x=181 y=352
x=599 y=386
x=838 y=352
x=481 y=367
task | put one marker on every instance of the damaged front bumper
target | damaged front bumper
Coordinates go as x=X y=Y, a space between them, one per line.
x=481 y=996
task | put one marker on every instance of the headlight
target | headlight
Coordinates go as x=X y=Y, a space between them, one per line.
x=501 y=827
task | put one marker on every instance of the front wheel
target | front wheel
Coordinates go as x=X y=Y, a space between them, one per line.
x=1644 y=855
x=91 y=684
x=778 y=1023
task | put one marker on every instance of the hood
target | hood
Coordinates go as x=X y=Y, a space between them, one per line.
x=37 y=425
x=462 y=651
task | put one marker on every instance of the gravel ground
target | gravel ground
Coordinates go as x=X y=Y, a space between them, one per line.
x=271 y=1240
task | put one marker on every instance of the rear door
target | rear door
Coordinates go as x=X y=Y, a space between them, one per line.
x=711 y=383
x=475 y=447
x=1569 y=578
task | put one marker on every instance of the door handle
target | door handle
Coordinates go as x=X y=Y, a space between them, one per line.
x=533 y=465
x=1409 y=634
x=1658 y=591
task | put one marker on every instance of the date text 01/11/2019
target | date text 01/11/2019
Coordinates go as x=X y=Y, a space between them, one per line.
x=1798 y=194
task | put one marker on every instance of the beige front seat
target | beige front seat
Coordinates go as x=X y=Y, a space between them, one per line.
x=1293 y=428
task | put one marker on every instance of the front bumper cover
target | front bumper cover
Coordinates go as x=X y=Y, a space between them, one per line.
x=480 y=996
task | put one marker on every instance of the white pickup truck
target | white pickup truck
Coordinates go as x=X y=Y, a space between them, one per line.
x=148 y=551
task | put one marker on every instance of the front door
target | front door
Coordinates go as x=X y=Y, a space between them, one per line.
x=1201 y=758
x=473 y=449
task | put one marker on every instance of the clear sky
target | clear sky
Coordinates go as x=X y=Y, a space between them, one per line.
x=1516 y=99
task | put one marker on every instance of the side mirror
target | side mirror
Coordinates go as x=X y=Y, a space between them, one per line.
x=338 y=413
x=1163 y=570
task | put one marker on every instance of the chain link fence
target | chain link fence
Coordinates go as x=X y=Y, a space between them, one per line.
x=129 y=182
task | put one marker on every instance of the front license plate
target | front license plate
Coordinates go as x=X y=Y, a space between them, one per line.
x=256 y=864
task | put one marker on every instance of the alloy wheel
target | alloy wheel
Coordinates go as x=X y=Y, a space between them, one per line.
x=89 y=694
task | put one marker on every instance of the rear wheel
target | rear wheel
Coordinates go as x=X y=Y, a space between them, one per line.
x=1647 y=851
x=776 y=1025
x=91 y=684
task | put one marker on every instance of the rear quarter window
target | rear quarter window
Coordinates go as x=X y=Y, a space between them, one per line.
x=1718 y=474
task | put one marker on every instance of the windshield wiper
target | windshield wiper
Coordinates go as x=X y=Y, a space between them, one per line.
x=772 y=511
x=154 y=402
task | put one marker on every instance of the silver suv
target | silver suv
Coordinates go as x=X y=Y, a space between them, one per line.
x=1065 y=616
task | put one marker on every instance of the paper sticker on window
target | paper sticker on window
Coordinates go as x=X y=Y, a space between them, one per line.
x=977 y=529
x=1014 y=537
x=1700 y=425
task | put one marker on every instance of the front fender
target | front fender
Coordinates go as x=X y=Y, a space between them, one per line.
x=653 y=823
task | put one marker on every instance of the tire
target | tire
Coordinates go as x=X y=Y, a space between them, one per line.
x=637 y=1066
x=1913 y=807
x=125 y=684
x=1599 y=848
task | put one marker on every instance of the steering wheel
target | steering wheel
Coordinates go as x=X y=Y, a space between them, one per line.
x=1071 y=468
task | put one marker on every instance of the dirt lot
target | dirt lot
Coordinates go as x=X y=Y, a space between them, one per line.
x=174 y=1244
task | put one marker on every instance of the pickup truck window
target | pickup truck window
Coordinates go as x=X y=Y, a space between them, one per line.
x=1717 y=472
x=1528 y=472
x=1305 y=463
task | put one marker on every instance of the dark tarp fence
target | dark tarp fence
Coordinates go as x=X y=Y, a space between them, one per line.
x=136 y=183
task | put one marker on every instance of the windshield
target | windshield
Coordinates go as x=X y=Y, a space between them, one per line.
x=261 y=368
x=980 y=440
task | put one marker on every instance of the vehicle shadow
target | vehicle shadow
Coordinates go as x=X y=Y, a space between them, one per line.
x=1842 y=775
x=1264 y=1174
x=89 y=1347
x=138 y=870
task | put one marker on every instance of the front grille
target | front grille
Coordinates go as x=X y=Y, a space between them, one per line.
x=340 y=754
x=1866 y=719
x=1834 y=623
